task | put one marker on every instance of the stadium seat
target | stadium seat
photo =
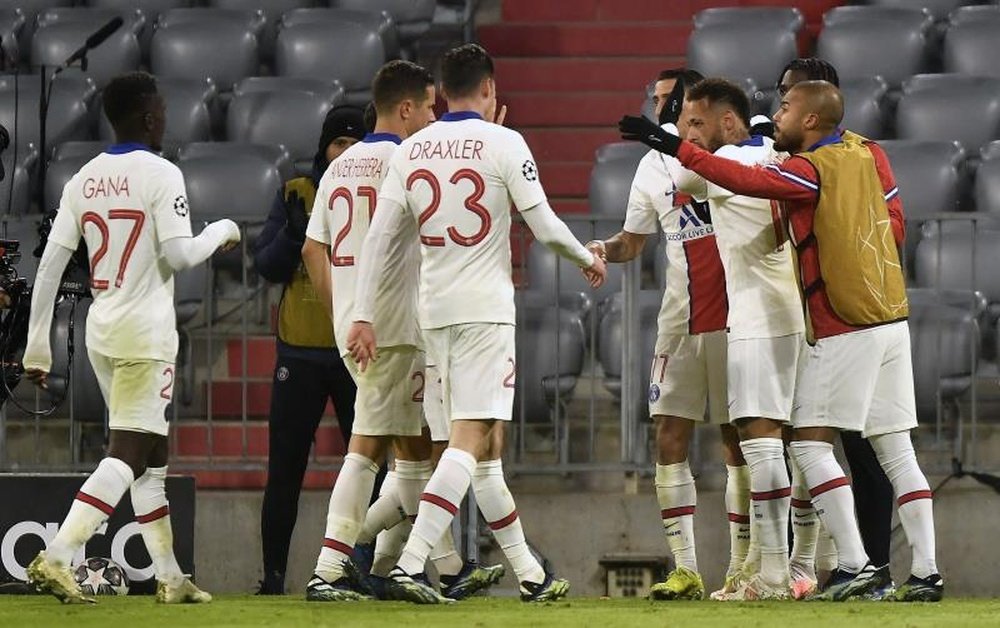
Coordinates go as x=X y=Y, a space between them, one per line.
x=11 y=25
x=222 y=50
x=60 y=31
x=189 y=294
x=319 y=50
x=261 y=116
x=987 y=185
x=16 y=189
x=617 y=151
x=380 y=22
x=276 y=154
x=88 y=402
x=950 y=107
x=58 y=172
x=88 y=149
x=412 y=17
x=189 y=104
x=789 y=18
x=69 y=109
x=543 y=266
x=30 y=9
x=974 y=13
x=721 y=50
x=970 y=46
x=550 y=351
x=272 y=10
x=939 y=9
x=240 y=187
x=610 y=339
x=610 y=182
x=150 y=8
x=863 y=106
x=872 y=41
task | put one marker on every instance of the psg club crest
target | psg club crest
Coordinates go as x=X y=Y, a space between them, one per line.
x=529 y=170
x=181 y=206
x=282 y=373
x=654 y=393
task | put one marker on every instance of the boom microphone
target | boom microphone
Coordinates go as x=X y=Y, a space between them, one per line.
x=95 y=40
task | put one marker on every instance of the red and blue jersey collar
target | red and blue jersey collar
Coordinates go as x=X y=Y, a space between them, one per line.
x=382 y=137
x=833 y=138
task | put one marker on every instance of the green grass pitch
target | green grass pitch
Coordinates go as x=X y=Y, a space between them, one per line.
x=275 y=612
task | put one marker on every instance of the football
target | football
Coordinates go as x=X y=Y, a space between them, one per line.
x=101 y=576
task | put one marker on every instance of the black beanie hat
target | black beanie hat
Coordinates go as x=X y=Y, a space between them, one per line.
x=342 y=121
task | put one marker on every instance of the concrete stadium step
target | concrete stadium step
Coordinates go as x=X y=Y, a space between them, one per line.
x=584 y=109
x=227 y=399
x=567 y=144
x=611 y=39
x=261 y=354
x=575 y=74
x=190 y=440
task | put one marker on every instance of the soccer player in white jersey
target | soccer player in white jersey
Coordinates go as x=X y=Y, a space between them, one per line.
x=688 y=374
x=765 y=319
x=457 y=180
x=131 y=209
x=388 y=406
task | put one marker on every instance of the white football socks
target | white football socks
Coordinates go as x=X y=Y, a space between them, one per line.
x=411 y=478
x=738 y=513
x=386 y=512
x=498 y=508
x=152 y=511
x=446 y=560
x=388 y=546
x=913 y=496
x=345 y=515
x=805 y=527
x=675 y=492
x=833 y=500
x=94 y=503
x=438 y=505
x=770 y=494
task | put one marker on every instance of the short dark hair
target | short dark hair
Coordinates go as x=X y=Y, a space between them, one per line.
x=719 y=91
x=398 y=80
x=687 y=76
x=814 y=68
x=126 y=95
x=463 y=68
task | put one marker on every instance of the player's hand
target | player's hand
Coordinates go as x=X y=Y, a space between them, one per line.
x=38 y=377
x=597 y=248
x=232 y=235
x=640 y=129
x=297 y=218
x=596 y=272
x=361 y=343
x=501 y=116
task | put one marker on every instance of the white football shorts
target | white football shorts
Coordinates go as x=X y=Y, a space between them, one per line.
x=762 y=373
x=390 y=393
x=688 y=376
x=860 y=381
x=137 y=392
x=434 y=417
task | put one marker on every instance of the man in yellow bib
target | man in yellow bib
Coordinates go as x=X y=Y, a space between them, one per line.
x=858 y=373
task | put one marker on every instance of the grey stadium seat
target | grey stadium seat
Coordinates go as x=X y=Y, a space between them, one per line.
x=88 y=149
x=974 y=13
x=610 y=339
x=381 y=22
x=929 y=179
x=950 y=107
x=347 y=52
x=617 y=151
x=69 y=109
x=970 y=47
x=610 y=182
x=550 y=351
x=16 y=186
x=542 y=264
x=222 y=50
x=987 y=185
x=150 y=8
x=787 y=17
x=189 y=104
x=11 y=25
x=30 y=9
x=276 y=154
x=944 y=345
x=721 y=50
x=863 y=100
x=870 y=41
x=262 y=117
x=57 y=175
x=412 y=17
x=939 y=9
x=240 y=187
x=61 y=31
x=272 y=10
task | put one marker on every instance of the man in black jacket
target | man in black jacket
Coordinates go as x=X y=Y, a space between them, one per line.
x=309 y=370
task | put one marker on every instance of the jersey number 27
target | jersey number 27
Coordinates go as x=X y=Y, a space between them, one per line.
x=138 y=219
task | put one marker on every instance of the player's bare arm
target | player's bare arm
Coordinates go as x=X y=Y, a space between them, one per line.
x=621 y=247
x=316 y=257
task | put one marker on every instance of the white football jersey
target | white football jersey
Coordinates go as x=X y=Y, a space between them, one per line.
x=125 y=203
x=343 y=210
x=694 y=298
x=760 y=278
x=459 y=178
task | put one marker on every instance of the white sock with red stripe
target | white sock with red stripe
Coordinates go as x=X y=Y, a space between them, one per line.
x=152 y=511
x=446 y=560
x=386 y=512
x=438 y=505
x=345 y=515
x=738 y=513
x=388 y=546
x=677 y=497
x=913 y=495
x=94 y=503
x=826 y=551
x=805 y=527
x=832 y=499
x=497 y=505
x=411 y=478
x=770 y=495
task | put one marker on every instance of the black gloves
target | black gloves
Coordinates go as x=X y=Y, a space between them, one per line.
x=297 y=219
x=640 y=129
